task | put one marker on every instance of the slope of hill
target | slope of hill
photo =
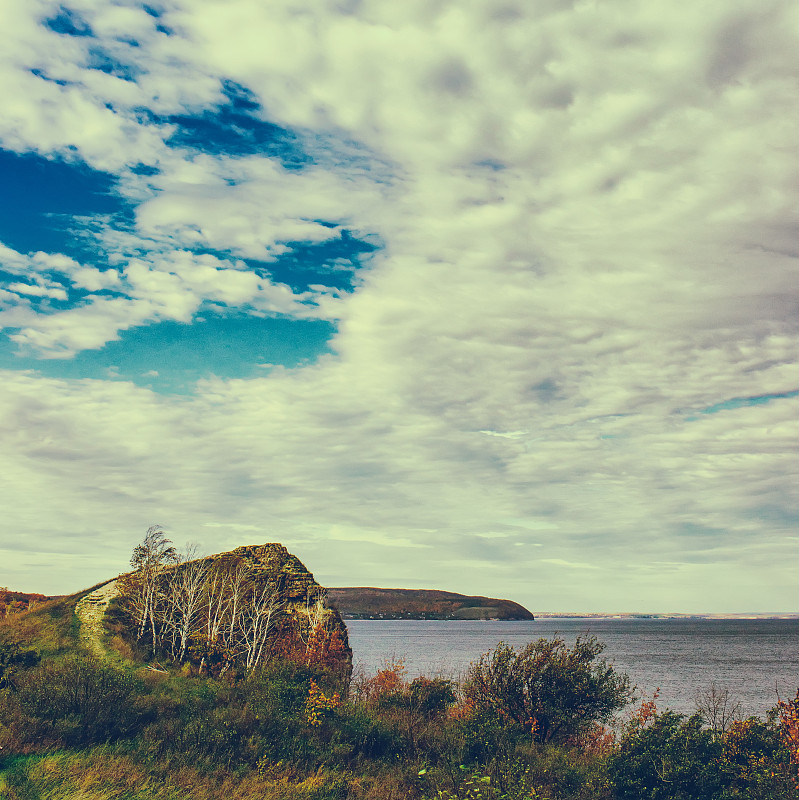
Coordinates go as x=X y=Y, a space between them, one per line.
x=367 y=602
x=281 y=620
x=12 y=602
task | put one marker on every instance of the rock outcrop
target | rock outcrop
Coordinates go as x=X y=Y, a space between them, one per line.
x=232 y=610
x=274 y=562
x=297 y=585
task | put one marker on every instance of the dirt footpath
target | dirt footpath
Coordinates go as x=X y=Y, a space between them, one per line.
x=89 y=611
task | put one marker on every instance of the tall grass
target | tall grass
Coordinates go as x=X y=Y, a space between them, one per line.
x=50 y=627
x=107 y=774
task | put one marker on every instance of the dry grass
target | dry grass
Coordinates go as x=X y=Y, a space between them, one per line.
x=102 y=774
x=51 y=627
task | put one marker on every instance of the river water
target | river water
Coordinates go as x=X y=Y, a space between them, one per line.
x=753 y=659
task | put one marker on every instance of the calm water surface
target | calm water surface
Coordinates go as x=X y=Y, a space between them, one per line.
x=748 y=657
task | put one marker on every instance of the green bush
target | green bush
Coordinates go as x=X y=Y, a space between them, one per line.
x=486 y=736
x=365 y=734
x=431 y=696
x=551 y=690
x=75 y=702
x=672 y=758
x=14 y=658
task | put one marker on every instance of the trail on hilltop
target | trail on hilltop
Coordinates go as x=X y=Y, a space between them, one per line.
x=90 y=610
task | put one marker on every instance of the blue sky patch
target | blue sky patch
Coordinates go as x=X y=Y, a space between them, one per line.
x=40 y=198
x=102 y=61
x=144 y=169
x=330 y=263
x=68 y=23
x=43 y=76
x=742 y=402
x=232 y=130
x=169 y=357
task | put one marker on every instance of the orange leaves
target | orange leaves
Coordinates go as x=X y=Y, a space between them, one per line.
x=465 y=709
x=646 y=711
x=597 y=740
x=325 y=649
x=386 y=682
x=391 y=679
x=788 y=711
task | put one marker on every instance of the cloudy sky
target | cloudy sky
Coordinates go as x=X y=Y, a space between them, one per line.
x=494 y=297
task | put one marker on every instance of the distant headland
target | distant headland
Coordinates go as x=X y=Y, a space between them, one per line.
x=368 y=602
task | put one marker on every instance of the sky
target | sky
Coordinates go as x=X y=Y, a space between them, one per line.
x=485 y=296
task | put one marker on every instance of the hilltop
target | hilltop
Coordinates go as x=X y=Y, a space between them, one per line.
x=367 y=602
x=229 y=611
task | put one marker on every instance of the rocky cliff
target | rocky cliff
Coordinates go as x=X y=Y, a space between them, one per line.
x=274 y=562
x=300 y=591
x=233 y=610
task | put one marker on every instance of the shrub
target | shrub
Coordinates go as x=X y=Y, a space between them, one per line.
x=547 y=688
x=318 y=706
x=431 y=696
x=13 y=659
x=385 y=687
x=755 y=761
x=672 y=758
x=362 y=733
x=77 y=701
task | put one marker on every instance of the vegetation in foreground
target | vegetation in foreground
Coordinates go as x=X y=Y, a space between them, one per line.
x=540 y=722
x=525 y=724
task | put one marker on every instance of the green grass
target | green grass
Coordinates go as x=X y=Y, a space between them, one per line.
x=51 y=627
x=106 y=773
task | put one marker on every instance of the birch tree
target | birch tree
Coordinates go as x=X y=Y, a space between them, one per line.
x=184 y=595
x=142 y=588
x=257 y=620
x=217 y=602
x=317 y=614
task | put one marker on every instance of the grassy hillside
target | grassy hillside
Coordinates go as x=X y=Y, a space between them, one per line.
x=50 y=627
x=365 y=602
x=12 y=602
x=529 y=724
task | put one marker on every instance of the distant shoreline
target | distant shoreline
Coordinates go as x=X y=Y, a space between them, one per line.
x=540 y=616
x=635 y=615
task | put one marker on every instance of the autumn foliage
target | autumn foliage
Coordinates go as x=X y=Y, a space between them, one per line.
x=15 y=602
x=319 y=706
x=788 y=712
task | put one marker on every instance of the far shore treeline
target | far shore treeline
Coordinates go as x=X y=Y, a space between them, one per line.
x=230 y=676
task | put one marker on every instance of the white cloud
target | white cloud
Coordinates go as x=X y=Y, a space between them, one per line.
x=588 y=217
x=160 y=285
x=250 y=206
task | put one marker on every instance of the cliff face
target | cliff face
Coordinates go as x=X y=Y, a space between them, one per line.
x=234 y=610
x=297 y=586
x=275 y=563
x=367 y=602
x=300 y=592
